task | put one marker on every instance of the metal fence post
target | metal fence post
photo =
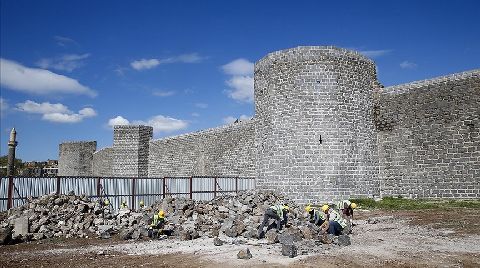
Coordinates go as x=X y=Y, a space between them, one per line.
x=58 y=185
x=133 y=193
x=10 y=192
x=164 y=187
x=99 y=187
x=191 y=188
x=236 y=184
x=214 y=187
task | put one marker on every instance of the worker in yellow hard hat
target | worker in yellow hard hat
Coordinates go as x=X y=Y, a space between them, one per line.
x=316 y=216
x=277 y=212
x=334 y=222
x=123 y=205
x=346 y=208
x=142 y=205
x=157 y=224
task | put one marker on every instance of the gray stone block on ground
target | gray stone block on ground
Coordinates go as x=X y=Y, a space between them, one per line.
x=126 y=234
x=20 y=226
x=217 y=241
x=38 y=236
x=296 y=233
x=185 y=235
x=244 y=254
x=105 y=229
x=272 y=236
x=286 y=239
x=194 y=234
x=5 y=235
x=344 y=240
x=105 y=235
x=289 y=250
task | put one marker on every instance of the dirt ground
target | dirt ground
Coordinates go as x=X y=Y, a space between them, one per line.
x=427 y=238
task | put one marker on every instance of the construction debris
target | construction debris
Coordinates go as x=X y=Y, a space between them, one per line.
x=234 y=217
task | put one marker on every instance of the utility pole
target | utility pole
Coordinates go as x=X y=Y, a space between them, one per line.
x=12 y=143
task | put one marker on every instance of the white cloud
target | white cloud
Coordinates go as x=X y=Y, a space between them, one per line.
x=241 y=81
x=62 y=118
x=152 y=63
x=87 y=112
x=239 y=67
x=163 y=93
x=144 y=64
x=3 y=105
x=57 y=112
x=162 y=123
x=185 y=58
x=408 y=65
x=230 y=119
x=120 y=71
x=38 y=81
x=64 y=41
x=195 y=114
x=375 y=53
x=245 y=117
x=159 y=123
x=241 y=88
x=68 y=62
x=201 y=105
x=118 y=121
x=41 y=108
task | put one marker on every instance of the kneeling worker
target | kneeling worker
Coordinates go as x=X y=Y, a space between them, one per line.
x=156 y=226
x=316 y=216
x=334 y=222
x=346 y=208
x=277 y=212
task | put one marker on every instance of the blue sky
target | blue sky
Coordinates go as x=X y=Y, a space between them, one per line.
x=71 y=69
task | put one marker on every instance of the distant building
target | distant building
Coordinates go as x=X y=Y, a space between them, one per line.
x=47 y=168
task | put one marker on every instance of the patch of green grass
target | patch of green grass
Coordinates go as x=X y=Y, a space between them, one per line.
x=393 y=203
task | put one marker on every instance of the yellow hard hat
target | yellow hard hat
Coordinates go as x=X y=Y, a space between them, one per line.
x=308 y=208
x=353 y=205
x=325 y=208
x=106 y=202
x=161 y=214
x=141 y=203
x=285 y=207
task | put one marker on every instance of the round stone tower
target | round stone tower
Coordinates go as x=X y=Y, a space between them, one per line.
x=315 y=134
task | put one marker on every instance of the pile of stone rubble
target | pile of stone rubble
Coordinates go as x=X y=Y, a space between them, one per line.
x=236 y=216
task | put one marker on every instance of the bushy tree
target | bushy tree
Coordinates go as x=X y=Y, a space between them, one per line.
x=4 y=164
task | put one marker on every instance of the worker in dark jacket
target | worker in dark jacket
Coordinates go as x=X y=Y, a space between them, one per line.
x=334 y=223
x=346 y=208
x=316 y=216
x=157 y=224
x=277 y=212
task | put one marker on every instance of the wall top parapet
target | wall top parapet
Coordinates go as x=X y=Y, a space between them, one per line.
x=309 y=52
x=404 y=88
x=208 y=130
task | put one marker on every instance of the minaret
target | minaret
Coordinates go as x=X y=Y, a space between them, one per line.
x=12 y=143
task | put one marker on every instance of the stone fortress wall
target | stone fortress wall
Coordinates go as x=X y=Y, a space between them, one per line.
x=323 y=129
x=76 y=158
x=223 y=151
x=429 y=137
x=103 y=162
